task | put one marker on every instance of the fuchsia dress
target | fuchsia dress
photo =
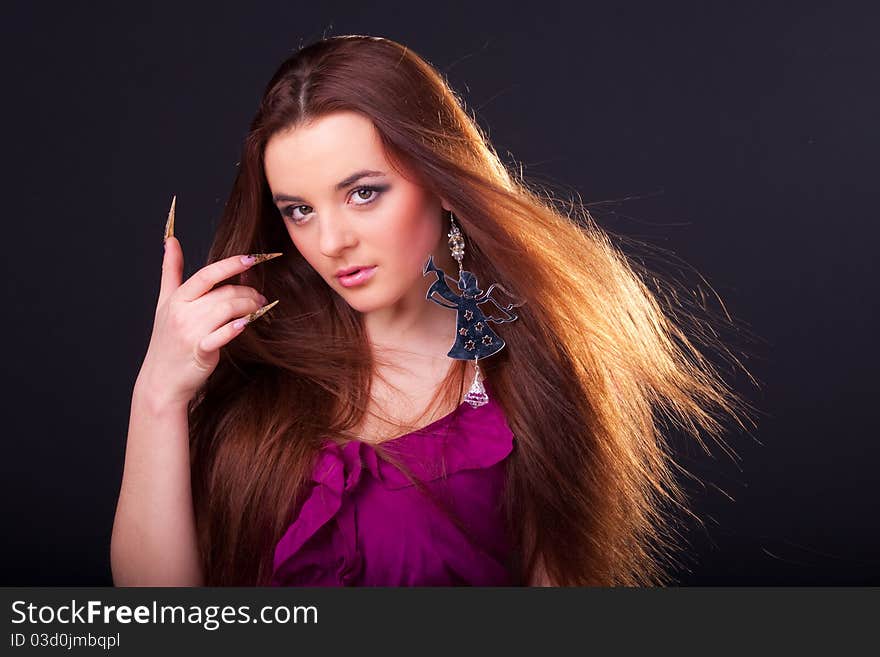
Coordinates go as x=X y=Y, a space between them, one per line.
x=365 y=524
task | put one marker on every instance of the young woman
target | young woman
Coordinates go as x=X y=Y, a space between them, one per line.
x=479 y=404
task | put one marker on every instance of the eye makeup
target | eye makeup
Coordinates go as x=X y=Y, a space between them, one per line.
x=288 y=211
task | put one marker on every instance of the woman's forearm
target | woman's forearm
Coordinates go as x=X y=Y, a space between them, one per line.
x=154 y=534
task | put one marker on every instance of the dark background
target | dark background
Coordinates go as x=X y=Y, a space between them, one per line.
x=744 y=134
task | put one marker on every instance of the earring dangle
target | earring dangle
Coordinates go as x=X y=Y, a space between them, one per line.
x=474 y=339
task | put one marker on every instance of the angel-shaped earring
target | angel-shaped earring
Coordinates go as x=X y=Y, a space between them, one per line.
x=473 y=338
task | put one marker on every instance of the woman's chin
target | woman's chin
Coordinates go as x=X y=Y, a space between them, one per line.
x=363 y=303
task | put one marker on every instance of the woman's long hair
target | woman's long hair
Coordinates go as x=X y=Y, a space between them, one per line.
x=593 y=366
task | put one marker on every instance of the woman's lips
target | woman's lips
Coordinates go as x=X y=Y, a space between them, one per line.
x=359 y=277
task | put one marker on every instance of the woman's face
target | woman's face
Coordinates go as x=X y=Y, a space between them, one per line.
x=344 y=206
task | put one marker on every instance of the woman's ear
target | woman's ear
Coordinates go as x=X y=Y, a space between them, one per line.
x=445 y=205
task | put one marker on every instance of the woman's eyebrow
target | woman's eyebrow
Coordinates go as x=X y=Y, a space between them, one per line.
x=342 y=184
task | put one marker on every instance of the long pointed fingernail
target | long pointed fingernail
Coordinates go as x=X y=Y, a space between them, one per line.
x=257 y=258
x=262 y=311
x=169 y=225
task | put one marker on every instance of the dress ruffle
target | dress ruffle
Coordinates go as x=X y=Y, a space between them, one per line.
x=466 y=439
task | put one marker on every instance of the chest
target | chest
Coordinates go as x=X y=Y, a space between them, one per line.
x=402 y=399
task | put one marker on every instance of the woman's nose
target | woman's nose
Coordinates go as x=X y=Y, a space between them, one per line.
x=336 y=235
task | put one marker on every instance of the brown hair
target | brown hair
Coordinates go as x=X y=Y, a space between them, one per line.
x=592 y=366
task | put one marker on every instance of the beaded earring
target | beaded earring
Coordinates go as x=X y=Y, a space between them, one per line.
x=473 y=338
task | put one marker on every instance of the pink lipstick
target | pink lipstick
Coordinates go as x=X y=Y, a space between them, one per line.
x=358 y=277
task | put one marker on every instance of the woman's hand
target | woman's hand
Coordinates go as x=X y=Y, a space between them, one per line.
x=193 y=321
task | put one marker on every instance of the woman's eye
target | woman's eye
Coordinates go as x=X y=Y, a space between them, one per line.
x=363 y=195
x=370 y=190
x=289 y=213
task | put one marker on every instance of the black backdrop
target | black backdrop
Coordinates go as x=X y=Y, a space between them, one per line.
x=740 y=137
